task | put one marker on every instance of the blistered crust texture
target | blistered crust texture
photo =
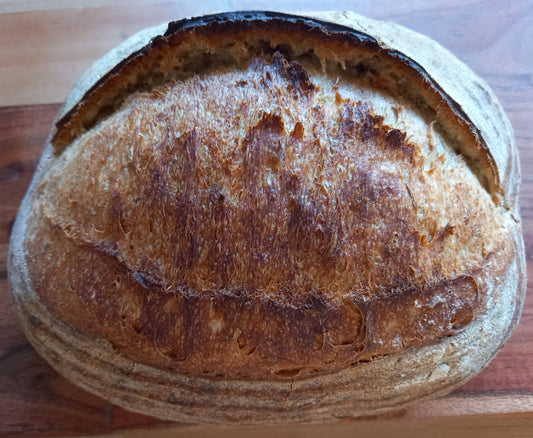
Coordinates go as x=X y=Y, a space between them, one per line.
x=281 y=224
x=264 y=222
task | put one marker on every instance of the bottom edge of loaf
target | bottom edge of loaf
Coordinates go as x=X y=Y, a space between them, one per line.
x=383 y=384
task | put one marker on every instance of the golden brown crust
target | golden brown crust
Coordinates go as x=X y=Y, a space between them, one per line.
x=266 y=232
x=239 y=35
x=261 y=223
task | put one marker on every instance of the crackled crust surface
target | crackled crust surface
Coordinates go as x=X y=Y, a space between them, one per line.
x=265 y=222
x=188 y=46
x=323 y=224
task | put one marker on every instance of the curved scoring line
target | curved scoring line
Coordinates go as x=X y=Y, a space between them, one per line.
x=247 y=18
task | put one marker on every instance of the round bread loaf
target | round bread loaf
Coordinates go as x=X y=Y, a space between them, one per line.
x=260 y=217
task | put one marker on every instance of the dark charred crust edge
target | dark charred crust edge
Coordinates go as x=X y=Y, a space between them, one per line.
x=214 y=23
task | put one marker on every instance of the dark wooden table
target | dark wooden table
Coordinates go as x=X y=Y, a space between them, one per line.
x=45 y=45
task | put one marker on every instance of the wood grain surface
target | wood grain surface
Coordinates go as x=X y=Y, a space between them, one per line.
x=46 y=45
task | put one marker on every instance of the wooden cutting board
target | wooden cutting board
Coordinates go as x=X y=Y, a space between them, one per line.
x=45 y=45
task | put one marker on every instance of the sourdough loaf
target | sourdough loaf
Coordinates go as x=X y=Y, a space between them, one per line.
x=261 y=217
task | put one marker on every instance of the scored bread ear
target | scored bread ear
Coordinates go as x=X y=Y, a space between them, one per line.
x=464 y=90
x=467 y=90
x=107 y=63
x=368 y=387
